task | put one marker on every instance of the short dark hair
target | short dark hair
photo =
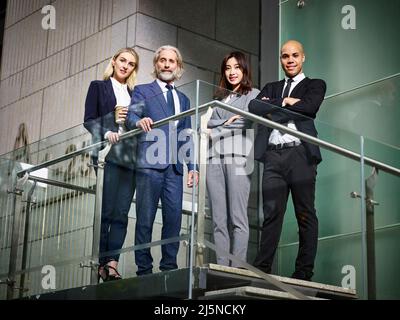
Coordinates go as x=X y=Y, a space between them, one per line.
x=246 y=83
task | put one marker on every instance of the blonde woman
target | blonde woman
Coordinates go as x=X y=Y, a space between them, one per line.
x=119 y=174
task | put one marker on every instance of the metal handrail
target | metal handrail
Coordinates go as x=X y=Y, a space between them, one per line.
x=303 y=136
x=202 y=108
x=62 y=184
x=100 y=144
x=24 y=174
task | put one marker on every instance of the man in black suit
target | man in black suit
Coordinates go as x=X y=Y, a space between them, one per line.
x=290 y=165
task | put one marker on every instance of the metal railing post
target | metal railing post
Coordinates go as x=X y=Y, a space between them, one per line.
x=370 y=204
x=97 y=211
x=29 y=203
x=17 y=213
x=364 y=264
x=192 y=219
x=201 y=211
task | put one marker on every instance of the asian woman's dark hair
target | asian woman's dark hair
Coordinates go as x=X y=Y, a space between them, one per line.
x=225 y=87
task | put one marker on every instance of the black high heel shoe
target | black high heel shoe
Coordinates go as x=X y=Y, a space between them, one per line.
x=111 y=277
x=102 y=274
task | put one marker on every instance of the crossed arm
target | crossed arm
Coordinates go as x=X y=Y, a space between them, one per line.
x=290 y=108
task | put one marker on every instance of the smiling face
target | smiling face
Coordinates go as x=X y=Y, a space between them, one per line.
x=123 y=66
x=166 y=65
x=292 y=58
x=233 y=73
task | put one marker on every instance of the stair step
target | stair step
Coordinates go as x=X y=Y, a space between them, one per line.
x=247 y=292
x=308 y=288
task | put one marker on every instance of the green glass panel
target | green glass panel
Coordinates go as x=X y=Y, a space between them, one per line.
x=371 y=111
x=386 y=188
x=345 y=58
x=387 y=256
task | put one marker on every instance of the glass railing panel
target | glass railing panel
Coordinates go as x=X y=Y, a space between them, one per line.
x=6 y=220
x=339 y=261
x=56 y=146
x=199 y=92
x=371 y=111
x=59 y=226
x=387 y=262
x=59 y=230
x=386 y=186
x=337 y=211
x=75 y=170
x=26 y=153
x=383 y=217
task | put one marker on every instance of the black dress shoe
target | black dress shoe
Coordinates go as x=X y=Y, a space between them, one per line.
x=302 y=275
x=264 y=269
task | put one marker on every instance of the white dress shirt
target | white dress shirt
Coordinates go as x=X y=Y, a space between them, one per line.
x=164 y=90
x=123 y=98
x=121 y=93
x=276 y=137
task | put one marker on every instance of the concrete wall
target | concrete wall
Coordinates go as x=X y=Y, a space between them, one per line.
x=45 y=73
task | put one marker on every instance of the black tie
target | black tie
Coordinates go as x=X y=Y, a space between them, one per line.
x=287 y=89
x=286 y=94
x=170 y=99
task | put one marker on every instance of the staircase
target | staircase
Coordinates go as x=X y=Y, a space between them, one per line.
x=211 y=282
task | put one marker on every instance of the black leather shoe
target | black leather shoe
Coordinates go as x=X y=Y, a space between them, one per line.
x=302 y=275
x=264 y=269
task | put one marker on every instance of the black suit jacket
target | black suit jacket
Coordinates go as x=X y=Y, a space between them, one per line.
x=311 y=93
x=99 y=118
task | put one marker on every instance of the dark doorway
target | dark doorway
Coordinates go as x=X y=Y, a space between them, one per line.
x=3 y=5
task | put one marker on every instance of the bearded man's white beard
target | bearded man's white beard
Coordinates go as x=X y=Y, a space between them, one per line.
x=166 y=76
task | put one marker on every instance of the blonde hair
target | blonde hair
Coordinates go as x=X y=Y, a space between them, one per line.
x=131 y=80
x=179 y=60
